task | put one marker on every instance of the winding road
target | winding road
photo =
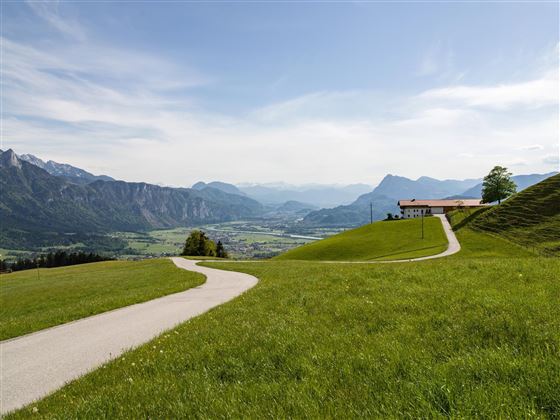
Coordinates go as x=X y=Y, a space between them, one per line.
x=34 y=365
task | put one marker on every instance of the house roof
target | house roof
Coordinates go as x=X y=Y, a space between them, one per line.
x=441 y=203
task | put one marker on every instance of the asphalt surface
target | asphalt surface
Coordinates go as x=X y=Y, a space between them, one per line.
x=35 y=365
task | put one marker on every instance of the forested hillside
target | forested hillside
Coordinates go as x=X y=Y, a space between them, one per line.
x=38 y=208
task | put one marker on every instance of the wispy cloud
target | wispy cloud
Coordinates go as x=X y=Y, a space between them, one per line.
x=536 y=93
x=130 y=114
x=531 y=147
x=552 y=160
x=49 y=11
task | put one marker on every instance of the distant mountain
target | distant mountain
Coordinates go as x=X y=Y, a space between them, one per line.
x=398 y=187
x=222 y=186
x=522 y=182
x=355 y=214
x=294 y=206
x=384 y=199
x=393 y=188
x=317 y=195
x=39 y=208
x=71 y=173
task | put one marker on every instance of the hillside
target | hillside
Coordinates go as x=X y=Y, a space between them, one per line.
x=530 y=218
x=438 y=339
x=387 y=240
x=38 y=208
x=522 y=182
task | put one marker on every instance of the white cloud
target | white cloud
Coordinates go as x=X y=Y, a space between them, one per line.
x=552 y=160
x=531 y=147
x=535 y=93
x=95 y=109
x=50 y=13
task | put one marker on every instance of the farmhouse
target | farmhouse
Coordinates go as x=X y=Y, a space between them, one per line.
x=416 y=208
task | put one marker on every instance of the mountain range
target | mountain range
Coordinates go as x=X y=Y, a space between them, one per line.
x=49 y=203
x=69 y=172
x=39 y=208
x=316 y=195
x=392 y=188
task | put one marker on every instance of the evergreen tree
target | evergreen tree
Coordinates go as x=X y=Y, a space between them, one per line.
x=497 y=185
x=220 y=250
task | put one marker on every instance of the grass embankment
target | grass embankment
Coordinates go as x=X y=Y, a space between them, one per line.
x=477 y=244
x=530 y=218
x=387 y=240
x=32 y=301
x=471 y=338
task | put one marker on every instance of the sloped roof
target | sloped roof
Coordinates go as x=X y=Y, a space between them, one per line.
x=441 y=203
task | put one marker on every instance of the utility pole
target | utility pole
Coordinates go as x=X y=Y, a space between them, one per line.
x=422 y=223
x=370 y=213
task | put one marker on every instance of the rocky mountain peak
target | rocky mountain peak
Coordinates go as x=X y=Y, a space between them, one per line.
x=9 y=158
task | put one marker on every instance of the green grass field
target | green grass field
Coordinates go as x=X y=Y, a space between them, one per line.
x=442 y=338
x=478 y=244
x=37 y=299
x=392 y=240
x=530 y=218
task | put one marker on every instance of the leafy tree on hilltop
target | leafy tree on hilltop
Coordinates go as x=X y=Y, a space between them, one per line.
x=199 y=245
x=497 y=185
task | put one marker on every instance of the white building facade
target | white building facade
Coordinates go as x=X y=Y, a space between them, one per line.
x=411 y=209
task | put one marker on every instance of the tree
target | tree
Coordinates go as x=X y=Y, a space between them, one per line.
x=497 y=185
x=220 y=250
x=199 y=245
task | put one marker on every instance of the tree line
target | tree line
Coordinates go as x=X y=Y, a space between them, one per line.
x=52 y=259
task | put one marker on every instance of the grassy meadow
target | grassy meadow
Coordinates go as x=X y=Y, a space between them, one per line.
x=386 y=240
x=37 y=299
x=478 y=244
x=530 y=218
x=459 y=338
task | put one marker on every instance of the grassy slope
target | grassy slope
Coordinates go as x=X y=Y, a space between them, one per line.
x=475 y=243
x=378 y=241
x=465 y=338
x=64 y=294
x=530 y=218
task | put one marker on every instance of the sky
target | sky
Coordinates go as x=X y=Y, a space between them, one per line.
x=300 y=92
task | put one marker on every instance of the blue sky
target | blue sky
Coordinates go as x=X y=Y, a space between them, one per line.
x=299 y=92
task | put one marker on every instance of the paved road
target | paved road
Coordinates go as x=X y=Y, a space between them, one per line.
x=453 y=247
x=37 y=364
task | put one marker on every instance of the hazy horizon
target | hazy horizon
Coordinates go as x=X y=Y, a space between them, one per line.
x=302 y=93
